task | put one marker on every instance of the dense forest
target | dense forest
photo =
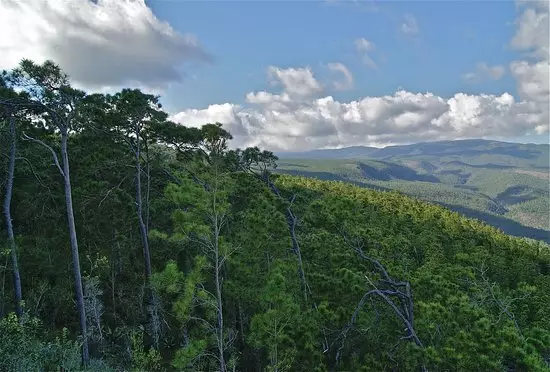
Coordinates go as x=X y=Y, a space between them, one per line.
x=503 y=184
x=136 y=244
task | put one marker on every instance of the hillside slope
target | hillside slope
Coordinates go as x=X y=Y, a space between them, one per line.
x=506 y=185
x=461 y=273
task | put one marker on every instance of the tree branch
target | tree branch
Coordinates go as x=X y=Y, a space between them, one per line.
x=399 y=289
x=54 y=155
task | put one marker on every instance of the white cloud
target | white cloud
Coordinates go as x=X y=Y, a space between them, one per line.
x=112 y=43
x=280 y=122
x=532 y=29
x=532 y=80
x=409 y=25
x=532 y=76
x=277 y=123
x=347 y=81
x=298 y=82
x=101 y=45
x=364 y=47
x=484 y=71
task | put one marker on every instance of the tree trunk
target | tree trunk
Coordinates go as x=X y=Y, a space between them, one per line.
x=74 y=248
x=9 y=224
x=291 y=221
x=219 y=298
x=139 y=205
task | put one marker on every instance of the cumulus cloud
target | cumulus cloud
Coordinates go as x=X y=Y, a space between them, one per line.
x=277 y=123
x=532 y=75
x=101 y=44
x=484 y=71
x=409 y=26
x=298 y=82
x=532 y=80
x=364 y=47
x=281 y=122
x=532 y=29
x=119 y=42
x=347 y=77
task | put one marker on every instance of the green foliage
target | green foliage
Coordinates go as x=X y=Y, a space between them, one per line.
x=183 y=289
x=272 y=329
x=142 y=359
x=19 y=345
x=504 y=186
x=23 y=347
x=229 y=294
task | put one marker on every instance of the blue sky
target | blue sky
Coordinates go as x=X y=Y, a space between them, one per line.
x=246 y=37
x=298 y=75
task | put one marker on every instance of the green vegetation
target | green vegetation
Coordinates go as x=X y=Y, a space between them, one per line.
x=194 y=257
x=514 y=198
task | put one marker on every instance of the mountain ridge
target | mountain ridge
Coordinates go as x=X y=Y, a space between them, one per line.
x=470 y=147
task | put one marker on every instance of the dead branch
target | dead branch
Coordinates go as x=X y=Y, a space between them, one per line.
x=397 y=294
x=54 y=154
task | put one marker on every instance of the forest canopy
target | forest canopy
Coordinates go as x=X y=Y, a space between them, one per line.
x=133 y=243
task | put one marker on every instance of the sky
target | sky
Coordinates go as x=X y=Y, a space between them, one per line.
x=300 y=75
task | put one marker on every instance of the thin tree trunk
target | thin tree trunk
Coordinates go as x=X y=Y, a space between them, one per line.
x=74 y=248
x=9 y=224
x=219 y=295
x=218 y=278
x=148 y=191
x=139 y=204
x=291 y=221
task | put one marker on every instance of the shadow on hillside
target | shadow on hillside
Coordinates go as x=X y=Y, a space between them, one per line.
x=462 y=178
x=479 y=166
x=511 y=151
x=466 y=187
x=394 y=171
x=515 y=194
x=508 y=226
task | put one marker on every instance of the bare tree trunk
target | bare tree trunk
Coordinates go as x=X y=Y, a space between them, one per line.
x=218 y=279
x=74 y=247
x=139 y=204
x=291 y=221
x=148 y=190
x=9 y=224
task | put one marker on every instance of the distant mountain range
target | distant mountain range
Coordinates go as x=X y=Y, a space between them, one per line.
x=504 y=184
x=538 y=153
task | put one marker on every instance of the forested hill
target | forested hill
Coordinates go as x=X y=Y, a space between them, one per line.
x=135 y=244
x=504 y=184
